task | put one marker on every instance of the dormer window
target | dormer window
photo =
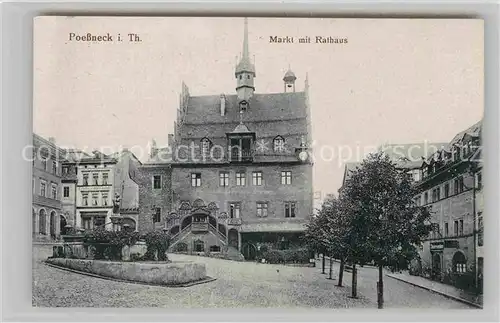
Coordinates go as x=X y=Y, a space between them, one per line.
x=278 y=144
x=205 y=147
x=243 y=106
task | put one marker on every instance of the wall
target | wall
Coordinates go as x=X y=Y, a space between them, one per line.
x=272 y=191
x=148 y=196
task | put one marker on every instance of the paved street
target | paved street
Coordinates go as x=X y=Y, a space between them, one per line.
x=237 y=285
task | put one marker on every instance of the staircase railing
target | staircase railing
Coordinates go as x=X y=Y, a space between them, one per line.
x=217 y=233
x=180 y=235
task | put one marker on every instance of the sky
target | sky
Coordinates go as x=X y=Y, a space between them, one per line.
x=394 y=81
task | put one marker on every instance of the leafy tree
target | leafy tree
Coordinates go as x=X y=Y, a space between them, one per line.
x=385 y=223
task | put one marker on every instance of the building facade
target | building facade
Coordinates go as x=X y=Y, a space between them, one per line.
x=106 y=194
x=240 y=173
x=451 y=186
x=47 y=218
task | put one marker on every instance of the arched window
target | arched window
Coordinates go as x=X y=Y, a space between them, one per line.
x=278 y=144
x=205 y=147
x=459 y=263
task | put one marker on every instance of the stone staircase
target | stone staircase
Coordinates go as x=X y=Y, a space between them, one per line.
x=233 y=254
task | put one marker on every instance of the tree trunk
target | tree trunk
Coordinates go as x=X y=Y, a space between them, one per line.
x=380 y=288
x=331 y=270
x=354 y=281
x=341 y=272
x=323 y=264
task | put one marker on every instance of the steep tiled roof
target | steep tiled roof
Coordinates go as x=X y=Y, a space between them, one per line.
x=473 y=130
x=262 y=107
x=411 y=155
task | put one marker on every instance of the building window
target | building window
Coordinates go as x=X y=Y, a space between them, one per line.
x=289 y=209
x=257 y=178
x=424 y=172
x=54 y=167
x=95 y=178
x=278 y=144
x=262 y=209
x=65 y=191
x=85 y=179
x=157 y=215
x=224 y=179
x=479 y=181
x=54 y=191
x=434 y=195
x=105 y=199
x=438 y=194
x=199 y=245
x=446 y=232
x=446 y=190
x=157 y=182
x=44 y=163
x=104 y=178
x=85 y=199
x=417 y=200
x=480 y=230
x=65 y=170
x=459 y=263
x=195 y=179
x=461 y=184
x=426 y=198
x=234 y=210
x=87 y=223
x=95 y=196
x=286 y=177
x=240 y=178
x=205 y=147
x=455 y=228
x=43 y=188
x=461 y=227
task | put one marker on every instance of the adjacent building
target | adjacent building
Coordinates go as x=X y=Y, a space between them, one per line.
x=239 y=175
x=451 y=186
x=47 y=218
x=106 y=194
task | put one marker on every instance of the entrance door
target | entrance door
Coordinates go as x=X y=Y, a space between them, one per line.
x=233 y=238
x=436 y=266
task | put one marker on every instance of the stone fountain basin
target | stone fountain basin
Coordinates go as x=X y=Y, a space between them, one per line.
x=156 y=273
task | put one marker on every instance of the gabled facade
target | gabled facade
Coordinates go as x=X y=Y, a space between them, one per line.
x=240 y=172
x=451 y=187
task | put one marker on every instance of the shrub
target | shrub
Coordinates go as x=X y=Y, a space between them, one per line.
x=286 y=256
x=157 y=244
x=109 y=244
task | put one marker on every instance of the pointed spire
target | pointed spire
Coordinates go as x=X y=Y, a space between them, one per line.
x=246 y=53
x=245 y=65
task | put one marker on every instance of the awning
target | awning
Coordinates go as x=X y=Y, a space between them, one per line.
x=273 y=227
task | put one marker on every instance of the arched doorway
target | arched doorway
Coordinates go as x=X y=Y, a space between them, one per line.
x=249 y=251
x=53 y=224
x=186 y=221
x=42 y=222
x=233 y=238
x=174 y=230
x=459 y=263
x=436 y=266
x=62 y=225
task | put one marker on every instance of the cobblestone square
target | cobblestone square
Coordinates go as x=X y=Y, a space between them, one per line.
x=237 y=284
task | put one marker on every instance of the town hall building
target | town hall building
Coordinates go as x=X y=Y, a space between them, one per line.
x=248 y=180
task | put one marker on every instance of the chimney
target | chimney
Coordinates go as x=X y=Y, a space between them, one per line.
x=222 y=105
x=170 y=139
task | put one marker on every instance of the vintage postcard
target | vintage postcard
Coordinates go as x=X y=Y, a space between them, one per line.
x=201 y=162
